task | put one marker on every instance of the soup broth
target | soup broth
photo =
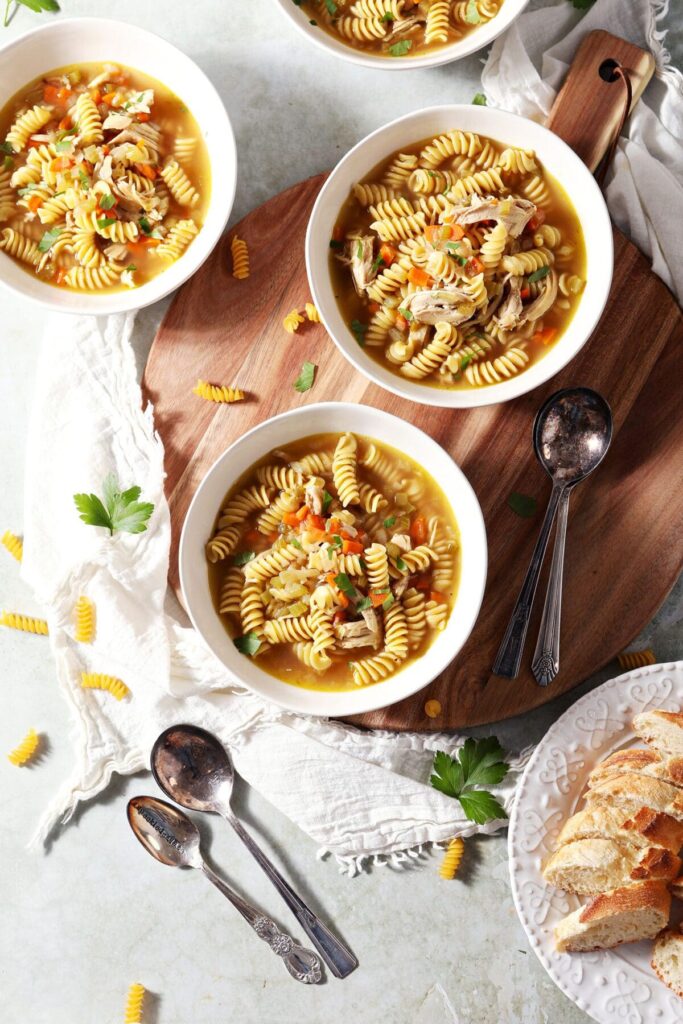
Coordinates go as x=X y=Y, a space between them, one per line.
x=457 y=262
x=104 y=177
x=334 y=562
x=399 y=28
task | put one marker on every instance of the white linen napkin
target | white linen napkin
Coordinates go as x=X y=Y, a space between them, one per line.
x=359 y=795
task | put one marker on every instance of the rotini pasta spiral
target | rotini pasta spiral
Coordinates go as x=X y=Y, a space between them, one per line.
x=99 y=681
x=391 y=208
x=26 y=125
x=245 y=502
x=396 y=632
x=317 y=660
x=377 y=567
x=517 y=161
x=6 y=198
x=344 y=470
x=93 y=278
x=416 y=560
x=323 y=630
x=252 y=614
x=436 y=27
x=85 y=620
x=269 y=520
x=177 y=240
x=279 y=476
x=372 y=670
x=537 y=191
x=231 y=592
x=526 y=262
x=289 y=631
x=87 y=119
x=455 y=143
x=270 y=563
x=184 y=148
x=636 y=659
x=388 y=9
x=428 y=360
x=570 y=284
x=22 y=248
x=222 y=544
x=292 y=320
x=399 y=170
x=134 y=1003
x=180 y=186
x=493 y=371
x=361 y=28
x=370 y=499
x=370 y=195
x=13 y=544
x=240 y=258
x=392 y=229
x=452 y=858
x=25 y=623
x=380 y=324
x=26 y=751
x=416 y=620
x=84 y=247
x=479 y=182
x=548 y=236
x=493 y=248
x=217 y=392
x=424 y=181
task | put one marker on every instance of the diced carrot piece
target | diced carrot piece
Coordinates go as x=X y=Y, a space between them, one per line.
x=474 y=266
x=50 y=93
x=290 y=519
x=419 y=277
x=343 y=599
x=339 y=616
x=149 y=243
x=139 y=248
x=352 y=547
x=378 y=599
x=64 y=94
x=33 y=144
x=110 y=98
x=64 y=124
x=457 y=232
x=313 y=522
x=142 y=116
x=148 y=171
x=536 y=221
x=316 y=535
x=333 y=525
x=525 y=293
x=337 y=233
x=436 y=595
x=105 y=150
x=388 y=254
x=302 y=513
x=96 y=95
x=401 y=323
x=546 y=336
x=34 y=203
x=418 y=529
x=60 y=163
x=330 y=579
x=373 y=307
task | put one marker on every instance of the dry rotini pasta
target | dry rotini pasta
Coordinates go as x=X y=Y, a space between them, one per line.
x=24 y=623
x=100 y=681
x=13 y=544
x=292 y=320
x=444 y=264
x=104 y=159
x=26 y=751
x=217 y=392
x=636 y=659
x=321 y=566
x=240 y=258
x=85 y=620
x=452 y=858
x=134 y=1004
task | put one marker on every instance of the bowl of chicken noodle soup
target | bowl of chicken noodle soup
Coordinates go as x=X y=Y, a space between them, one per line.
x=329 y=570
x=399 y=34
x=460 y=256
x=117 y=166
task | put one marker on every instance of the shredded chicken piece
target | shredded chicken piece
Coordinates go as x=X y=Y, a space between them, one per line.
x=440 y=305
x=542 y=302
x=117 y=121
x=402 y=26
x=402 y=541
x=356 y=634
x=361 y=254
x=314 y=495
x=399 y=586
x=514 y=213
x=511 y=309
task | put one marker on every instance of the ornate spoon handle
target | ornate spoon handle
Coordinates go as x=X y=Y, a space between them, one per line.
x=546 y=660
x=510 y=651
x=338 y=957
x=301 y=963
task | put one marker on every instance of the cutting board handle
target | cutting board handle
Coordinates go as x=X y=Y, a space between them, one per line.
x=589 y=107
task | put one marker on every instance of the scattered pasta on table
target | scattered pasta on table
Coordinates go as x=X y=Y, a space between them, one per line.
x=636 y=659
x=27 y=750
x=134 y=1004
x=217 y=392
x=452 y=858
x=292 y=320
x=25 y=623
x=13 y=544
x=334 y=561
x=240 y=258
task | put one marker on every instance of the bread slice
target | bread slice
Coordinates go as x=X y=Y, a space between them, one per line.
x=677 y=887
x=667 y=960
x=626 y=914
x=641 y=761
x=645 y=828
x=661 y=729
x=594 y=865
x=631 y=792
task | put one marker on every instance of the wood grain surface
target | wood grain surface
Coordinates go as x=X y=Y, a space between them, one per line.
x=624 y=543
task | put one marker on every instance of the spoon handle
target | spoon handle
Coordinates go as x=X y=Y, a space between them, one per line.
x=302 y=964
x=546 y=660
x=338 y=957
x=510 y=651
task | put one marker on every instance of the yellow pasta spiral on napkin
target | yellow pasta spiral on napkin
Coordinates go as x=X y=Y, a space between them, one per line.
x=99 y=681
x=85 y=620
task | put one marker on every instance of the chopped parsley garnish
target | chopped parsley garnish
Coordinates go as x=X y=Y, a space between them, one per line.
x=479 y=100
x=331 y=7
x=538 y=275
x=472 y=15
x=26 y=191
x=247 y=644
x=84 y=180
x=145 y=225
x=64 y=147
x=8 y=163
x=359 y=250
x=336 y=244
x=296 y=543
x=401 y=565
x=5 y=147
x=388 y=601
x=464 y=363
x=522 y=504
x=345 y=585
x=106 y=202
x=304 y=382
x=387 y=16
x=406 y=313
x=390 y=521
x=363 y=604
x=105 y=222
x=131 y=267
x=479 y=763
x=401 y=48
x=452 y=246
x=242 y=557
x=327 y=500
x=359 y=330
x=377 y=263
x=334 y=545
x=49 y=239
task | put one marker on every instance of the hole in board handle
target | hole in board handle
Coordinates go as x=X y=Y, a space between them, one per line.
x=607 y=70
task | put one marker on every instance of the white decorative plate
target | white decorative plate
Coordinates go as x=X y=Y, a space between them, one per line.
x=614 y=986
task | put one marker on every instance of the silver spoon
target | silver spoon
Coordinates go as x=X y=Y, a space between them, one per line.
x=572 y=432
x=194 y=769
x=172 y=838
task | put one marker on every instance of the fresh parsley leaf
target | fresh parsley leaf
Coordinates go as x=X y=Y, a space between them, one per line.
x=389 y=522
x=106 y=202
x=296 y=543
x=304 y=382
x=131 y=267
x=5 y=147
x=8 y=163
x=242 y=557
x=145 y=225
x=406 y=313
x=431 y=174
x=522 y=504
x=359 y=330
x=388 y=601
x=472 y=15
x=377 y=263
x=387 y=16
x=479 y=762
x=65 y=146
x=49 y=239
x=327 y=500
x=452 y=246
x=120 y=511
x=331 y=7
x=538 y=275
x=464 y=363
x=33 y=5
x=363 y=604
x=359 y=250
x=400 y=564
x=479 y=100
x=105 y=222
x=401 y=48
x=247 y=644
x=334 y=544
x=336 y=244
x=84 y=180
x=345 y=584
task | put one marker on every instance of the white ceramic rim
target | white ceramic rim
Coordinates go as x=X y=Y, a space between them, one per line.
x=581 y=188
x=67 y=301
x=303 y=421
x=473 y=41
x=607 y=983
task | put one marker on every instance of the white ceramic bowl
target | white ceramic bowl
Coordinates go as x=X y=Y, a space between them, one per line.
x=475 y=40
x=512 y=130
x=97 y=39
x=281 y=430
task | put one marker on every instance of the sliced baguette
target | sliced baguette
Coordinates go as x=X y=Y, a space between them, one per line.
x=645 y=828
x=641 y=762
x=661 y=729
x=626 y=914
x=594 y=865
x=631 y=792
x=667 y=960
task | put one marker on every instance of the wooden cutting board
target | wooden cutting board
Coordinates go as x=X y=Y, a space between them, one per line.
x=624 y=544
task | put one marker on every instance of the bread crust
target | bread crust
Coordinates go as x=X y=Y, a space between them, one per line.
x=665 y=945
x=645 y=827
x=642 y=762
x=653 y=894
x=662 y=730
x=658 y=828
x=640 y=790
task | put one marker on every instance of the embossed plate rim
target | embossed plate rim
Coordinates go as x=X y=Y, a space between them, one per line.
x=609 y=986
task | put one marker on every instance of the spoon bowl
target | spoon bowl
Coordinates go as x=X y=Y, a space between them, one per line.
x=165 y=832
x=572 y=433
x=193 y=768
